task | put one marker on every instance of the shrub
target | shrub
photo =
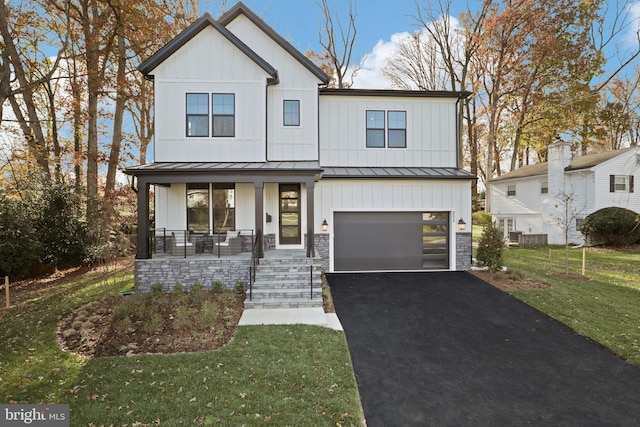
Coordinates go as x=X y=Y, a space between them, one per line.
x=612 y=226
x=490 y=248
x=217 y=286
x=481 y=218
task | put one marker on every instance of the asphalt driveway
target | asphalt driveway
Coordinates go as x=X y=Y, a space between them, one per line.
x=448 y=349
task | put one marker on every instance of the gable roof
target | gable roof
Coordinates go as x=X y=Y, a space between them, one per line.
x=240 y=9
x=190 y=32
x=578 y=163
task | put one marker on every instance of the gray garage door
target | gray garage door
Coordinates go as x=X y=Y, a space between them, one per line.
x=370 y=241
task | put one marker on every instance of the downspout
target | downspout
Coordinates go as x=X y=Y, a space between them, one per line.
x=458 y=143
x=270 y=82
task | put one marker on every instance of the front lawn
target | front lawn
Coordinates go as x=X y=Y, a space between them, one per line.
x=604 y=305
x=279 y=375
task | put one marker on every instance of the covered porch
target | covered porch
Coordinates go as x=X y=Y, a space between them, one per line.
x=278 y=196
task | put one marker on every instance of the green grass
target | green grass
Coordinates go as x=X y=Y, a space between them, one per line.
x=604 y=308
x=282 y=375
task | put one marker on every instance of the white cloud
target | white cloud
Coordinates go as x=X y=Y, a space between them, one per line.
x=370 y=74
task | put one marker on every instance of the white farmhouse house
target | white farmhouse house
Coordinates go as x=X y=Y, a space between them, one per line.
x=543 y=198
x=255 y=158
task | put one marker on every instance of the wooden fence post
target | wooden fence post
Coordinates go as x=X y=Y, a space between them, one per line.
x=6 y=291
x=584 y=260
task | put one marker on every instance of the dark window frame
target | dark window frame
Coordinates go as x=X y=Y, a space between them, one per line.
x=396 y=130
x=200 y=115
x=544 y=187
x=289 y=115
x=215 y=131
x=371 y=131
x=510 y=192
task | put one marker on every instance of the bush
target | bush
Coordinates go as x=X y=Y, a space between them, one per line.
x=481 y=218
x=612 y=226
x=490 y=248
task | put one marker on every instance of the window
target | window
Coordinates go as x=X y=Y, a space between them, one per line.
x=544 y=187
x=197 y=114
x=511 y=190
x=198 y=208
x=224 y=110
x=621 y=183
x=291 y=112
x=397 y=129
x=224 y=207
x=375 y=129
x=579 y=223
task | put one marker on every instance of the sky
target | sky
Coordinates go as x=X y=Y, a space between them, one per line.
x=380 y=25
x=299 y=21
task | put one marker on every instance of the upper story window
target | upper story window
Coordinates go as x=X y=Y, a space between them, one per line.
x=197 y=114
x=291 y=112
x=511 y=190
x=386 y=129
x=544 y=187
x=223 y=106
x=397 y=129
x=621 y=183
x=375 y=129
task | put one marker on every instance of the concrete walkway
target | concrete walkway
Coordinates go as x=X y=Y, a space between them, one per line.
x=290 y=316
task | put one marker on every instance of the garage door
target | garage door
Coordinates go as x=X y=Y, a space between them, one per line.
x=384 y=241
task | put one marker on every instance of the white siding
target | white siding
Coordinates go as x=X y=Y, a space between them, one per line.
x=296 y=83
x=171 y=207
x=431 y=132
x=193 y=68
x=525 y=208
x=626 y=164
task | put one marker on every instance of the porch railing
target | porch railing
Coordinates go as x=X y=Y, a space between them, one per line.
x=186 y=243
x=256 y=253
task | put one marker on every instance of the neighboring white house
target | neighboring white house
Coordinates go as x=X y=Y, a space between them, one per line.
x=249 y=138
x=542 y=198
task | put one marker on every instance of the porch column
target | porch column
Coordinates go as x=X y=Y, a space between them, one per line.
x=259 y=213
x=143 y=251
x=310 y=218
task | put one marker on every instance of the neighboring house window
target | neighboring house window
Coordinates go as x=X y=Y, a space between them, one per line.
x=511 y=190
x=375 y=129
x=397 y=129
x=291 y=112
x=198 y=207
x=224 y=114
x=197 y=114
x=544 y=187
x=579 y=223
x=618 y=183
x=224 y=207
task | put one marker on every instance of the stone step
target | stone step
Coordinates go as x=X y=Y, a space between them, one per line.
x=286 y=293
x=279 y=303
x=286 y=284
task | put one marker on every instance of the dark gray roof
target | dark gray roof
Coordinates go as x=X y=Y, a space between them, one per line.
x=396 y=172
x=190 y=32
x=194 y=167
x=578 y=163
x=393 y=92
x=240 y=9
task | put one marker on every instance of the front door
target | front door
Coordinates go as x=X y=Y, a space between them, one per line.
x=290 y=214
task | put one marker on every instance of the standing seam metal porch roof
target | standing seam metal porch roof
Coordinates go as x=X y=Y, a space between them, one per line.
x=169 y=168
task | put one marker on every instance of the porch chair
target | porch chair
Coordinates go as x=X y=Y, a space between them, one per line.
x=232 y=244
x=179 y=244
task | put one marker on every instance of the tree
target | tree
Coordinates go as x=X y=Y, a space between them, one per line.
x=338 y=43
x=565 y=218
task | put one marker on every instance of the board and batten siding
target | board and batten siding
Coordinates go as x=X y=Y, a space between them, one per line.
x=431 y=132
x=195 y=69
x=296 y=82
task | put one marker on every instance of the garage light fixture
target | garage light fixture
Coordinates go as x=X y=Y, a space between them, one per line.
x=325 y=226
x=462 y=225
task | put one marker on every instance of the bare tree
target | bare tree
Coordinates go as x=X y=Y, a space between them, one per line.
x=338 y=40
x=566 y=214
